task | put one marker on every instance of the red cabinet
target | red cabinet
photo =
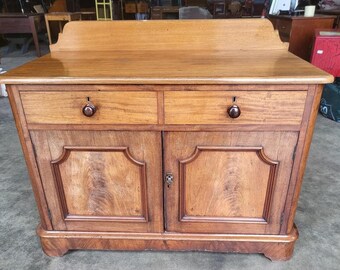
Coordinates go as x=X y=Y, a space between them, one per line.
x=326 y=51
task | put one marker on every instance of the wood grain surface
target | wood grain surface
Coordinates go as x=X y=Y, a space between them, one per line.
x=162 y=52
x=260 y=107
x=105 y=181
x=249 y=34
x=234 y=185
x=112 y=107
x=162 y=90
x=168 y=67
x=274 y=247
x=101 y=182
x=212 y=188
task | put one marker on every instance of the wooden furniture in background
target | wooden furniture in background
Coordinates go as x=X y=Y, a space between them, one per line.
x=61 y=18
x=299 y=31
x=14 y=23
x=58 y=6
x=181 y=135
x=88 y=15
x=164 y=12
x=335 y=12
x=196 y=3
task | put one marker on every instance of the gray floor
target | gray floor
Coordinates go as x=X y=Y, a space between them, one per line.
x=318 y=215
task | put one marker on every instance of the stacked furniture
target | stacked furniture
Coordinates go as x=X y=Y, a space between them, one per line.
x=299 y=31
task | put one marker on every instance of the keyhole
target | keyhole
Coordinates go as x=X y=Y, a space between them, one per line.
x=234 y=99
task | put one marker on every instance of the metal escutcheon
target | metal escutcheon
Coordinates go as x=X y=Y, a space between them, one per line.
x=169 y=178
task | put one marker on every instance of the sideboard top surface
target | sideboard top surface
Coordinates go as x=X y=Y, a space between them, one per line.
x=168 y=52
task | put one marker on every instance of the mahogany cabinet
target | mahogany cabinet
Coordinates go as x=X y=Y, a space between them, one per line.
x=186 y=150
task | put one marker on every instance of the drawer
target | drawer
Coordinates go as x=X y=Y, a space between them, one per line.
x=257 y=107
x=112 y=107
x=284 y=26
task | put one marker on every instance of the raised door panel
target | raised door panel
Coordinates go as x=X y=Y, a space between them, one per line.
x=235 y=185
x=104 y=181
x=227 y=182
x=101 y=182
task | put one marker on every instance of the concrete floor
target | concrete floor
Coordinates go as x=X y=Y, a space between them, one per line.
x=318 y=215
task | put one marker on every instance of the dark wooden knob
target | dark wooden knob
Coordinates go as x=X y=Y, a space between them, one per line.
x=89 y=110
x=234 y=111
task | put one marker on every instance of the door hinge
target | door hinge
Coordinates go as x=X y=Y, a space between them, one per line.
x=282 y=217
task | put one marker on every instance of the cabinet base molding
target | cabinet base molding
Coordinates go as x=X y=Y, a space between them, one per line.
x=274 y=247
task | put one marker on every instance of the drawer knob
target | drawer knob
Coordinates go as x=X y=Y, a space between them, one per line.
x=234 y=111
x=89 y=109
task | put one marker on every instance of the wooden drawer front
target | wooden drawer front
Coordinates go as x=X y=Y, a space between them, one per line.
x=257 y=107
x=112 y=107
x=284 y=26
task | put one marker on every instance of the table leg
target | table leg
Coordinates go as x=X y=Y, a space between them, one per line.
x=34 y=34
x=48 y=30
x=60 y=27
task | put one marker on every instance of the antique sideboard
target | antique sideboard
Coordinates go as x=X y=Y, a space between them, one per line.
x=167 y=135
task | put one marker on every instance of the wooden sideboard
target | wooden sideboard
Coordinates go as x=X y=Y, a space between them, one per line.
x=182 y=135
x=299 y=31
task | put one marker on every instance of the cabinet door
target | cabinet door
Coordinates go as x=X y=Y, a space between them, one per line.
x=101 y=180
x=227 y=182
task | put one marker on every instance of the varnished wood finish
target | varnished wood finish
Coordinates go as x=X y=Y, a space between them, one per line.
x=228 y=196
x=275 y=247
x=101 y=181
x=161 y=87
x=112 y=107
x=169 y=34
x=169 y=67
x=302 y=156
x=110 y=191
x=28 y=152
x=196 y=59
x=224 y=188
x=259 y=107
x=161 y=95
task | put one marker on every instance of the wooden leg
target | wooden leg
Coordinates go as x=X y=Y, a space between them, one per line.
x=282 y=252
x=48 y=31
x=54 y=247
x=60 y=27
x=35 y=35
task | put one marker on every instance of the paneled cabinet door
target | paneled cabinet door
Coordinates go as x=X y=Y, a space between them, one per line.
x=227 y=182
x=102 y=180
